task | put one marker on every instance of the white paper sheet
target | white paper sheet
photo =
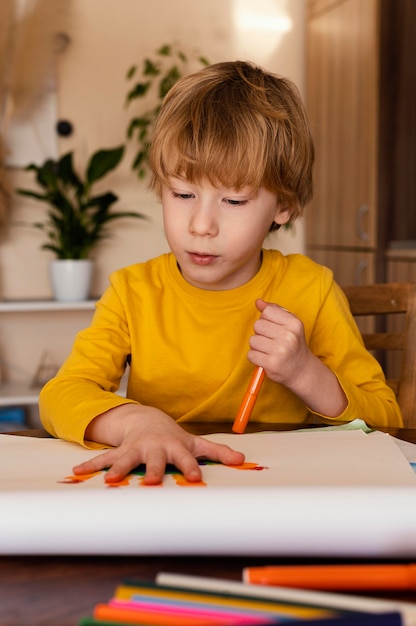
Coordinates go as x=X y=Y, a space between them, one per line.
x=407 y=448
x=307 y=493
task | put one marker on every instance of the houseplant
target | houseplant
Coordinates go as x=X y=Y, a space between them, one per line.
x=76 y=220
x=151 y=83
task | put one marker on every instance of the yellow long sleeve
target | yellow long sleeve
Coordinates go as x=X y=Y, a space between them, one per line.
x=188 y=347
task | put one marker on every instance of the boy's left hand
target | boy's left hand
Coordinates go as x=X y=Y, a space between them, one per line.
x=279 y=346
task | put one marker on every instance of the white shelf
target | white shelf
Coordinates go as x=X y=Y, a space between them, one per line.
x=18 y=394
x=30 y=306
x=22 y=394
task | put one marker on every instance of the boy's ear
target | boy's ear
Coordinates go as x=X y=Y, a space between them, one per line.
x=283 y=215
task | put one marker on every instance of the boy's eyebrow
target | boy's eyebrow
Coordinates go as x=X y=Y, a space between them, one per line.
x=246 y=191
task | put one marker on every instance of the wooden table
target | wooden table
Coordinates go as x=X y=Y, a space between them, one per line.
x=59 y=590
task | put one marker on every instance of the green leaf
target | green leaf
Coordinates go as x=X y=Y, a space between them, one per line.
x=165 y=50
x=143 y=122
x=150 y=68
x=143 y=133
x=45 y=173
x=67 y=173
x=139 y=125
x=57 y=251
x=103 y=162
x=103 y=201
x=134 y=124
x=138 y=91
x=172 y=76
x=32 y=194
x=131 y=72
x=140 y=156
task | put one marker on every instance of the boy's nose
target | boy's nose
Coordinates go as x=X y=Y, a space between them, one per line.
x=203 y=221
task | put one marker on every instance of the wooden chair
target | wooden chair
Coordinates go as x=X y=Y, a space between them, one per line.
x=381 y=301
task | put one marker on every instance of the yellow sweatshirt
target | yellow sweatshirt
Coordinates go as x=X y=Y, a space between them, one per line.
x=187 y=349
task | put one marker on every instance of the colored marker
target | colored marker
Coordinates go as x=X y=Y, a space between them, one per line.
x=336 y=601
x=333 y=577
x=249 y=400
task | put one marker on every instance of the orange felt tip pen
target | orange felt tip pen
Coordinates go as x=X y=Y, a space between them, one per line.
x=335 y=577
x=249 y=400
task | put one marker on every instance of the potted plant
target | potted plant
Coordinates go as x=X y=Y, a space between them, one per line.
x=76 y=219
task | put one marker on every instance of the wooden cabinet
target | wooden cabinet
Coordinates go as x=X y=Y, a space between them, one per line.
x=360 y=96
x=361 y=100
x=352 y=267
x=401 y=265
x=342 y=102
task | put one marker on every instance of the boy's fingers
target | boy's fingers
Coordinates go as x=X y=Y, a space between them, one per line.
x=155 y=468
x=92 y=465
x=189 y=467
x=121 y=463
x=219 y=452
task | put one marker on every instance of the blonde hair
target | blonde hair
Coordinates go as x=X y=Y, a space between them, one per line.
x=236 y=125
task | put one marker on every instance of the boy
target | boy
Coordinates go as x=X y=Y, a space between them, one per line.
x=231 y=158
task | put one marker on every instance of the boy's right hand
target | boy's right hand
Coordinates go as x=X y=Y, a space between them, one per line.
x=142 y=434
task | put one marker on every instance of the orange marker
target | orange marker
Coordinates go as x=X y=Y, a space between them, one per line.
x=335 y=577
x=111 y=614
x=249 y=400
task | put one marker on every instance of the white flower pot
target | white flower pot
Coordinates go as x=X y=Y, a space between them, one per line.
x=71 y=279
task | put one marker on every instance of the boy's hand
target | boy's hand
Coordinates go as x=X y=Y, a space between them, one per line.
x=279 y=346
x=146 y=435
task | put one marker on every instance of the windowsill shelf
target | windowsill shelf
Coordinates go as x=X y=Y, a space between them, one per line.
x=30 y=306
x=22 y=393
x=18 y=394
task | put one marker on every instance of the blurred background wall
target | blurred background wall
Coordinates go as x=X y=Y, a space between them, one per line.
x=102 y=39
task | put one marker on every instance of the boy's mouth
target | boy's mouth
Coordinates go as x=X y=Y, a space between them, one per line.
x=202 y=259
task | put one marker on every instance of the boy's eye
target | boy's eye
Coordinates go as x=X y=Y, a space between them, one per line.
x=183 y=196
x=236 y=202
